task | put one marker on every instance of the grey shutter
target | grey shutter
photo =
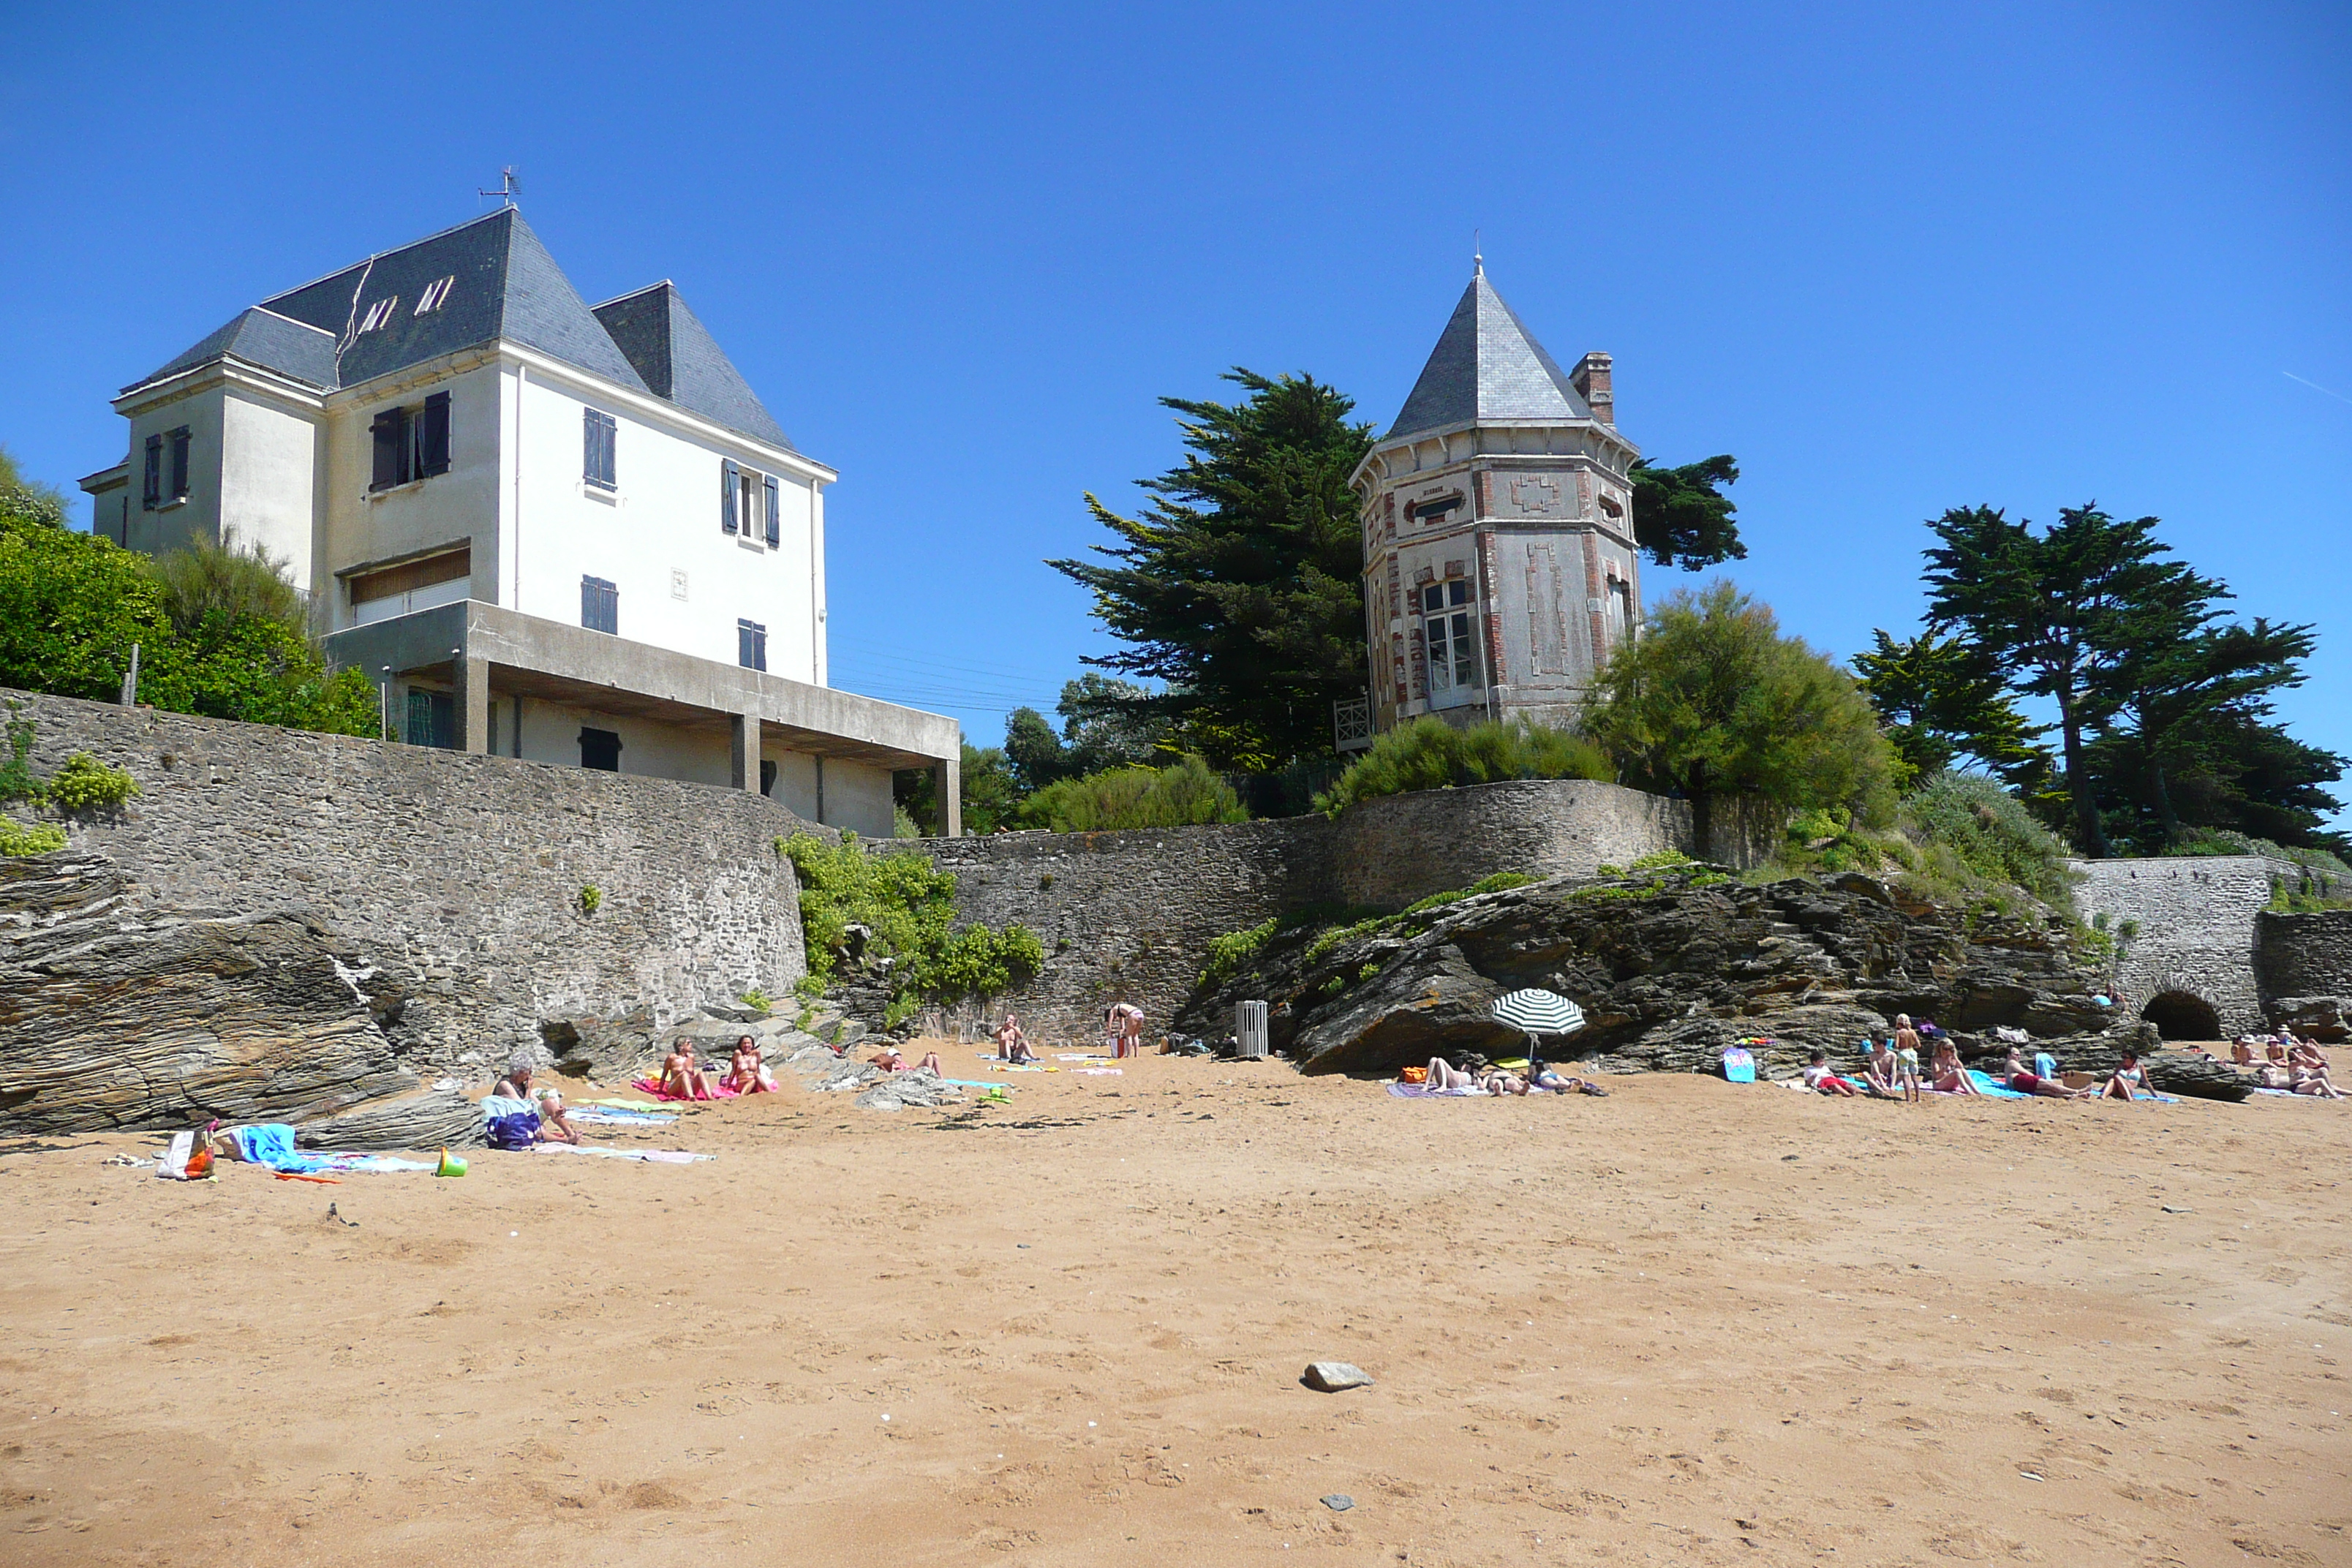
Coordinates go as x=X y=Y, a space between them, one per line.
x=727 y=495
x=610 y=453
x=589 y=443
x=385 y=428
x=775 y=526
x=179 y=439
x=433 y=435
x=152 y=490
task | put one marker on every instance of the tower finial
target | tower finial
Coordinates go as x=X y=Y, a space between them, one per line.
x=1477 y=260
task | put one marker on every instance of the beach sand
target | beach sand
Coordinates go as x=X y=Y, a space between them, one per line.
x=1689 y=1323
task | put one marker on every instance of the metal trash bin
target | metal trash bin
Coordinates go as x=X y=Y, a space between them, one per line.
x=1250 y=1029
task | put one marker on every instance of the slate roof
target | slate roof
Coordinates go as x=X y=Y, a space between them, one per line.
x=681 y=361
x=502 y=283
x=1487 y=366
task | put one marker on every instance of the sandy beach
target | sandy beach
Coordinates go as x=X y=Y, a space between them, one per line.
x=1690 y=1322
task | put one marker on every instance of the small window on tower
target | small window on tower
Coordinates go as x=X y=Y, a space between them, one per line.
x=436 y=293
x=378 y=313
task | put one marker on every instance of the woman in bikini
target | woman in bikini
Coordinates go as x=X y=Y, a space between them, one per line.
x=746 y=1073
x=681 y=1078
x=2128 y=1081
x=1948 y=1075
x=891 y=1061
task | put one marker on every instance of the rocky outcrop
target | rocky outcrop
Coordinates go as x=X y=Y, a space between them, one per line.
x=1669 y=969
x=114 y=1016
x=2327 y=1019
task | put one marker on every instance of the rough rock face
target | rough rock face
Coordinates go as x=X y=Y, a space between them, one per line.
x=115 y=1017
x=1670 y=969
x=2327 y=1019
x=613 y=1050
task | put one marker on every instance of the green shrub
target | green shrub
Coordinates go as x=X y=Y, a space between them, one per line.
x=1231 y=954
x=16 y=780
x=1971 y=831
x=592 y=898
x=85 y=783
x=757 y=1000
x=29 y=837
x=1430 y=754
x=1499 y=882
x=1182 y=794
x=908 y=906
x=2223 y=841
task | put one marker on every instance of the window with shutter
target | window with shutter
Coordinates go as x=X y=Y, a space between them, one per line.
x=600 y=606
x=179 y=439
x=389 y=429
x=597 y=432
x=727 y=475
x=151 y=491
x=775 y=526
x=433 y=437
x=751 y=644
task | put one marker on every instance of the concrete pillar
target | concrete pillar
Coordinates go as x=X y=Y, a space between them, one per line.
x=946 y=788
x=743 y=751
x=469 y=683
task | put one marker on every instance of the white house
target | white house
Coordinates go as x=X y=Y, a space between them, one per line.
x=556 y=531
x=1500 y=566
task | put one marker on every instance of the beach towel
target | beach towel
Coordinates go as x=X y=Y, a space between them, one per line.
x=649 y=1086
x=1104 y=1072
x=1082 y=1057
x=1422 y=1091
x=1993 y=1088
x=625 y=1104
x=609 y=1116
x=651 y=1156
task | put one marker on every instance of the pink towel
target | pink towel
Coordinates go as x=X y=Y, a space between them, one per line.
x=654 y=1088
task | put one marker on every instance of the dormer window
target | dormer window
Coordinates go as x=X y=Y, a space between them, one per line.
x=378 y=314
x=436 y=294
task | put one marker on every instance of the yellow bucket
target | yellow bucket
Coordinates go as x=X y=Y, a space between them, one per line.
x=450 y=1166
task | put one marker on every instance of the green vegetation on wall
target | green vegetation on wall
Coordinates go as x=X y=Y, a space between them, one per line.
x=1182 y=794
x=1430 y=754
x=907 y=906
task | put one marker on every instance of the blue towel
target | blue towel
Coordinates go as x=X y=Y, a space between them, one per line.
x=1993 y=1088
x=271 y=1144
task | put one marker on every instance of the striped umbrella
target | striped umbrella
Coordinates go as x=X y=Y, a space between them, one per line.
x=1538 y=1012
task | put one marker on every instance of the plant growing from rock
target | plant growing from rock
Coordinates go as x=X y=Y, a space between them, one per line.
x=29 y=837
x=592 y=898
x=905 y=906
x=85 y=783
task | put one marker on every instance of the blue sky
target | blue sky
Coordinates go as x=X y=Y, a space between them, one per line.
x=1893 y=259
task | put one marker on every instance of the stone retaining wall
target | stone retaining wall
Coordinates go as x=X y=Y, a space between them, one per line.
x=1127 y=916
x=2304 y=955
x=2196 y=917
x=457 y=876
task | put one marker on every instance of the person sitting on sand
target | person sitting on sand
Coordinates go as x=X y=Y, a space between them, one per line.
x=746 y=1072
x=1012 y=1041
x=2128 y=1081
x=1948 y=1075
x=2025 y=1080
x=681 y=1078
x=1881 y=1075
x=1821 y=1080
x=2304 y=1053
x=2241 y=1051
x=516 y=1085
x=891 y=1061
x=554 y=1127
x=2311 y=1081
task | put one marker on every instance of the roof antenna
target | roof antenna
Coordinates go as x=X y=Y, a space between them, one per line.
x=1477 y=261
x=508 y=187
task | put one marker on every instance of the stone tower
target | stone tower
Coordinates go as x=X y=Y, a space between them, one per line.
x=1499 y=563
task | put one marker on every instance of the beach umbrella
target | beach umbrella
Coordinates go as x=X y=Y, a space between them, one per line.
x=1538 y=1012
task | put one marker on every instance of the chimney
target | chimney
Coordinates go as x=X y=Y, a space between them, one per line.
x=1591 y=383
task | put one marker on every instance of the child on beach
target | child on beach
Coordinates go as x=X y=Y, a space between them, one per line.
x=1818 y=1079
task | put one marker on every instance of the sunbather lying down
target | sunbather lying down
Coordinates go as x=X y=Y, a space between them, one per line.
x=1538 y=1079
x=891 y=1061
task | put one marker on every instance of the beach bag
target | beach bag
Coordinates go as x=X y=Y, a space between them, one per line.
x=1414 y=1075
x=518 y=1129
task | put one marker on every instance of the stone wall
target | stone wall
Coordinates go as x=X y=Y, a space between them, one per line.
x=458 y=878
x=2304 y=955
x=1127 y=917
x=2196 y=917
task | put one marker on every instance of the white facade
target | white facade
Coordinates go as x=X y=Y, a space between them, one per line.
x=522 y=480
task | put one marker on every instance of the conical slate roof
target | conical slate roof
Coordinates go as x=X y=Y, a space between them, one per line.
x=1486 y=367
x=679 y=360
